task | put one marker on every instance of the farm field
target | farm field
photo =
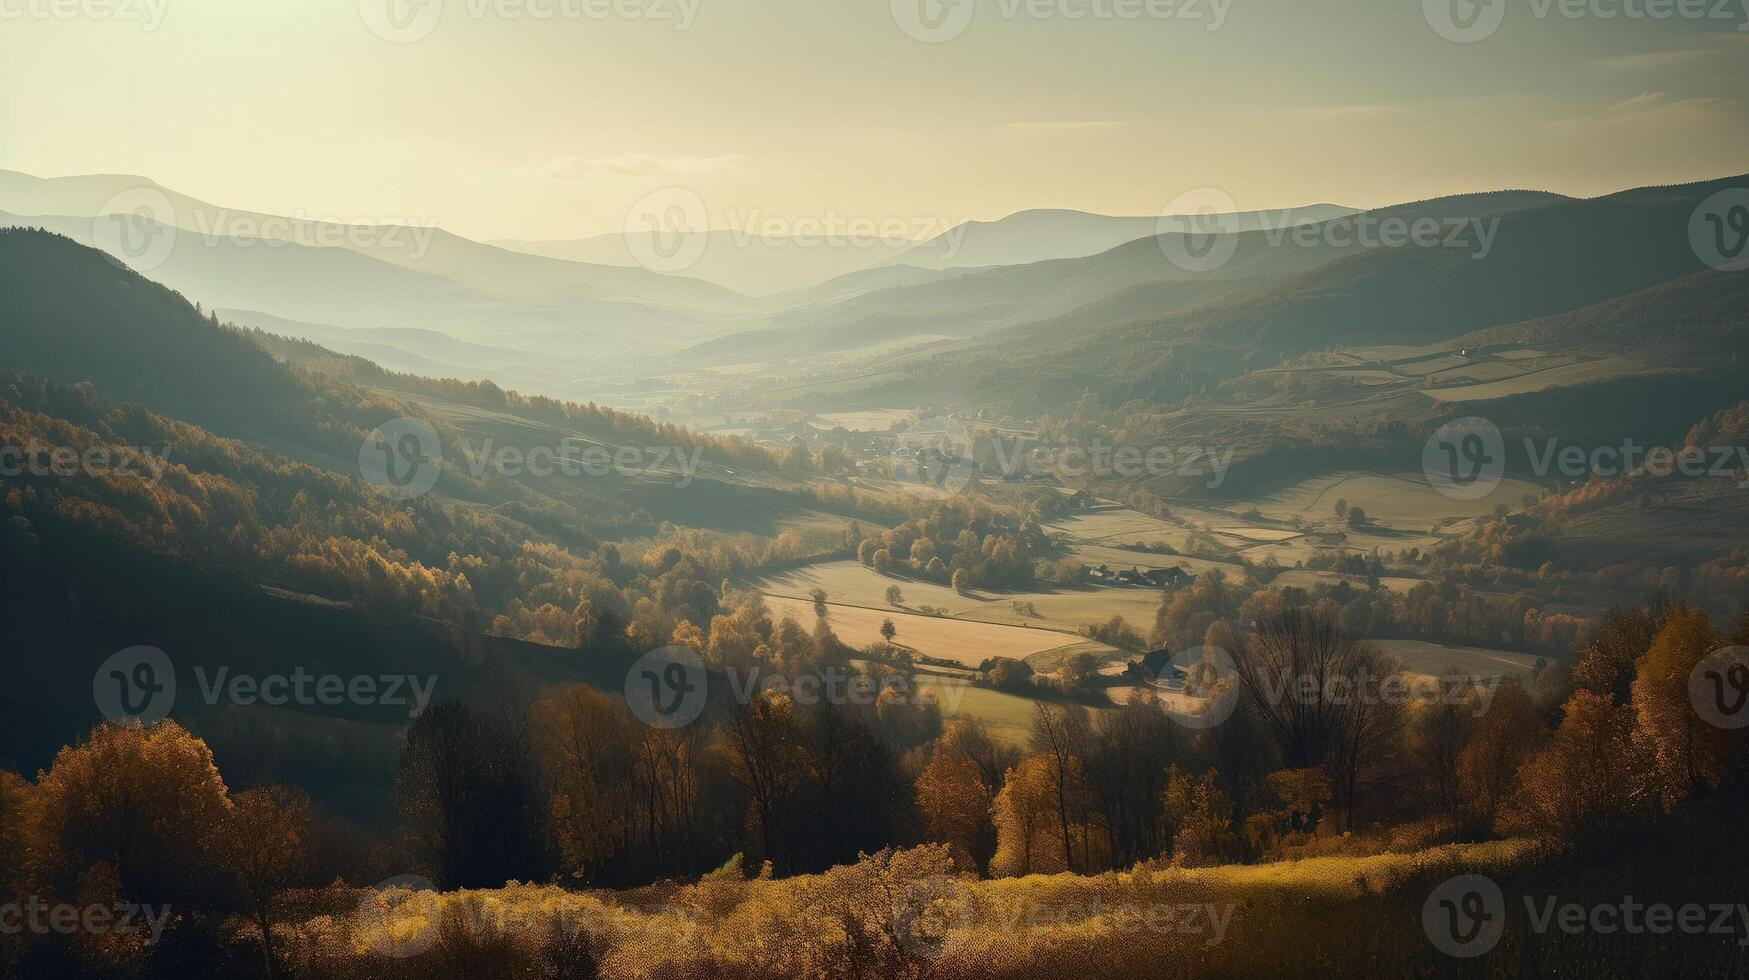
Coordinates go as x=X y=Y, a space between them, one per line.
x=856 y=584
x=1121 y=524
x=1062 y=609
x=960 y=641
x=1583 y=372
x=1399 y=501
x=1119 y=559
x=876 y=420
x=1008 y=717
x=1432 y=659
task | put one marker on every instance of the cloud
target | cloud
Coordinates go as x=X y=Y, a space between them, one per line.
x=637 y=165
x=1709 y=47
x=1645 y=100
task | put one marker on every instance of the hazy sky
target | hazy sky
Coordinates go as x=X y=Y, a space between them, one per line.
x=500 y=123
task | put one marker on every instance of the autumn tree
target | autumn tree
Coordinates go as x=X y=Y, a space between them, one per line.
x=146 y=802
x=1504 y=737
x=1198 y=816
x=265 y=844
x=587 y=747
x=955 y=797
x=1607 y=661
x=464 y=786
x=1438 y=732
x=1592 y=778
x=1029 y=837
x=1686 y=751
x=764 y=742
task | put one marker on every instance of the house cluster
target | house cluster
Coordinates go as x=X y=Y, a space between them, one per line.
x=1135 y=578
x=1156 y=666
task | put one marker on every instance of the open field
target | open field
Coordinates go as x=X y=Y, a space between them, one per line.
x=876 y=420
x=1119 y=559
x=1008 y=717
x=1063 y=609
x=1400 y=501
x=1433 y=659
x=960 y=641
x=1070 y=609
x=1121 y=524
x=1249 y=533
x=854 y=583
x=1583 y=372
